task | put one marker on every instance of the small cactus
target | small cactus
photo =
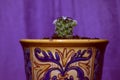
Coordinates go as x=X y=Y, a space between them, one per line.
x=64 y=26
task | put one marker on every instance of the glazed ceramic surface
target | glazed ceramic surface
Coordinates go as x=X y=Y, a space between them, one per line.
x=63 y=59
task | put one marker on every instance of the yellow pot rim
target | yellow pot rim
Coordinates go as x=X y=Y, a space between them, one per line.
x=64 y=40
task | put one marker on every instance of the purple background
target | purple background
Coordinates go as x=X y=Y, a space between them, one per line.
x=33 y=19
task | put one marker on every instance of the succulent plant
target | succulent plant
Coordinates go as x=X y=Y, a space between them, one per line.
x=64 y=26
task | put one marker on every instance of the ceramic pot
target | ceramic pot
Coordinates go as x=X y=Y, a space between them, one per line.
x=63 y=59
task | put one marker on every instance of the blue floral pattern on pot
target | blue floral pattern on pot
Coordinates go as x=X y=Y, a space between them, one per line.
x=63 y=67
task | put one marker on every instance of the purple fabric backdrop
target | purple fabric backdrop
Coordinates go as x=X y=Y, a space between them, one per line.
x=33 y=19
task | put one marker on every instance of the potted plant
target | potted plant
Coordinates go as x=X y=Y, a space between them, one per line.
x=65 y=56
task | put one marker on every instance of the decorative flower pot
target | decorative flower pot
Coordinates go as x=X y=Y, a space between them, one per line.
x=63 y=59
